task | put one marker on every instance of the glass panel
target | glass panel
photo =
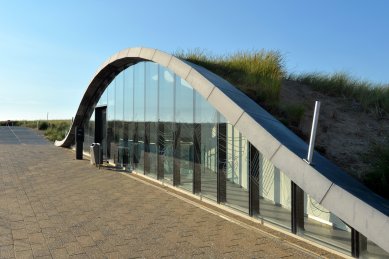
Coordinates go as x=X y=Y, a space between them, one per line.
x=128 y=117
x=275 y=194
x=323 y=226
x=368 y=249
x=118 y=121
x=166 y=116
x=139 y=111
x=111 y=146
x=168 y=150
x=89 y=133
x=237 y=170
x=151 y=118
x=184 y=116
x=151 y=92
x=207 y=116
x=103 y=99
x=128 y=112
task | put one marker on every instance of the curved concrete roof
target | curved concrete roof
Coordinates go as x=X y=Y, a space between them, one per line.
x=334 y=189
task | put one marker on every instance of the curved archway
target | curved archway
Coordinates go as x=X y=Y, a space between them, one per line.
x=326 y=183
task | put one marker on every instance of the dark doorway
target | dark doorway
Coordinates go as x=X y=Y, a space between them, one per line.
x=101 y=129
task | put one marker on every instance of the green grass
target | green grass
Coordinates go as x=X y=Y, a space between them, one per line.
x=259 y=74
x=372 y=97
x=57 y=130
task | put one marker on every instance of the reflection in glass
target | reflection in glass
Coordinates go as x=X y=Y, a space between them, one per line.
x=111 y=147
x=118 y=120
x=128 y=117
x=274 y=194
x=89 y=133
x=184 y=117
x=237 y=194
x=323 y=226
x=166 y=117
x=368 y=249
x=151 y=119
x=139 y=117
x=206 y=116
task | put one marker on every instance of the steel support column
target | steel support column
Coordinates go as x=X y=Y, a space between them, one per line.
x=177 y=155
x=254 y=181
x=222 y=163
x=197 y=158
x=161 y=151
x=147 y=149
x=297 y=208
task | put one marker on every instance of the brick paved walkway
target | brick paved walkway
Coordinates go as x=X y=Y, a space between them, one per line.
x=53 y=206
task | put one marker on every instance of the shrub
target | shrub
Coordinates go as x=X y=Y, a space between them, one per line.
x=293 y=113
x=372 y=97
x=57 y=130
x=43 y=125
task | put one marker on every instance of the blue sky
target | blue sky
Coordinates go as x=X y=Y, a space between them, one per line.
x=49 y=50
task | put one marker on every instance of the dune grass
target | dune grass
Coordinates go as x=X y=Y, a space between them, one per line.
x=372 y=97
x=259 y=74
x=57 y=129
x=53 y=129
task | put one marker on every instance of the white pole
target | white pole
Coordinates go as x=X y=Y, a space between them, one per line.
x=313 y=132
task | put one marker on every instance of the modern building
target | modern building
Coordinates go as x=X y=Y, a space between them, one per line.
x=179 y=123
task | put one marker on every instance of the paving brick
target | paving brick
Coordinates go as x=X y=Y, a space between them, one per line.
x=54 y=206
x=85 y=241
x=59 y=253
x=22 y=245
x=19 y=234
x=40 y=250
x=36 y=238
x=74 y=248
x=26 y=254
x=6 y=251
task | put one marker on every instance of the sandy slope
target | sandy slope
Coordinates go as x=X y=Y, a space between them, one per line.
x=345 y=131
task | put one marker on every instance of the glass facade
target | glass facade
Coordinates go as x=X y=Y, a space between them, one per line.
x=323 y=226
x=153 y=122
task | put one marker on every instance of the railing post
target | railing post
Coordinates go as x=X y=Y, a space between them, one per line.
x=313 y=133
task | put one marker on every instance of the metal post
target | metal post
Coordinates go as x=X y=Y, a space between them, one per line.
x=313 y=132
x=177 y=155
x=354 y=243
x=254 y=181
x=222 y=163
x=197 y=158
x=160 y=150
x=297 y=213
x=79 y=142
